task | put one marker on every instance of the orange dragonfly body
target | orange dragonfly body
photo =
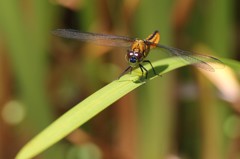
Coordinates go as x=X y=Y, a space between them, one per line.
x=138 y=50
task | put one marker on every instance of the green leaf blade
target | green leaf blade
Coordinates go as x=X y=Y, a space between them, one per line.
x=92 y=105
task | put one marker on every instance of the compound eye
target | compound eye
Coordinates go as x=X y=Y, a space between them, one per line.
x=132 y=59
x=138 y=55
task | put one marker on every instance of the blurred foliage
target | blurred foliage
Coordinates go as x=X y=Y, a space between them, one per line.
x=184 y=114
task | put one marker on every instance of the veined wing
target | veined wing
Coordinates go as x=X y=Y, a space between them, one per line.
x=99 y=39
x=205 y=62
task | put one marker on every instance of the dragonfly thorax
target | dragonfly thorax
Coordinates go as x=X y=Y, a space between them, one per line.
x=141 y=47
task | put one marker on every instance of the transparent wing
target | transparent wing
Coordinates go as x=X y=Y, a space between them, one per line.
x=205 y=62
x=99 y=39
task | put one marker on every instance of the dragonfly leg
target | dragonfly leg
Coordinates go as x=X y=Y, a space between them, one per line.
x=151 y=66
x=125 y=71
x=143 y=69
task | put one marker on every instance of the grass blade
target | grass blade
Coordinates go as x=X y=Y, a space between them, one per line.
x=92 y=105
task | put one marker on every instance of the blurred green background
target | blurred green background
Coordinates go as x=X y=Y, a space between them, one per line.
x=182 y=115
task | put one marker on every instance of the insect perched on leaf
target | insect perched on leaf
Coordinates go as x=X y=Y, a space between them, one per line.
x=139 y=49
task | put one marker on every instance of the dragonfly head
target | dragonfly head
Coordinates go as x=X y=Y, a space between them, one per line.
x=134 y=58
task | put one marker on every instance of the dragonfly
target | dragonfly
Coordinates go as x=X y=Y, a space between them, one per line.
x=138 y=49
